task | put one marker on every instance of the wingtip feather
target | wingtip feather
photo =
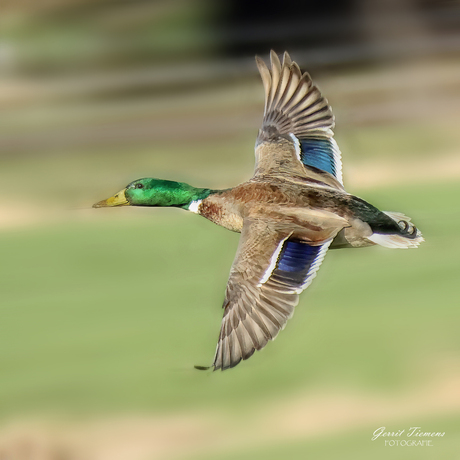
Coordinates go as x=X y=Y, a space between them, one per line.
x=287 y=59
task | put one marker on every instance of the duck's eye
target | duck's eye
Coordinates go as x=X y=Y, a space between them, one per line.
x=139 y=186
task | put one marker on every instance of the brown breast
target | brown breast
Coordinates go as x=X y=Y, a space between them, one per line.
x=266 y=200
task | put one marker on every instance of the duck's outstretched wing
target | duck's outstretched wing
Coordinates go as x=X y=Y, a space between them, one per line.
x=296 y=131
x=269 y=272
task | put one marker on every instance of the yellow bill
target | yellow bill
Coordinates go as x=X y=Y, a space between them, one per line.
x=116 y=200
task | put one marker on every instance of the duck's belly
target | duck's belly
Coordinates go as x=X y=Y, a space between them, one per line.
x=230 y=207
x=272 y=203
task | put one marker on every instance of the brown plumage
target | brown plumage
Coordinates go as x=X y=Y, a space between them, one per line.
x=292 y=210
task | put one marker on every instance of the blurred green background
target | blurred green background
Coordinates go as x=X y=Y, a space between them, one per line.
x=105 y=312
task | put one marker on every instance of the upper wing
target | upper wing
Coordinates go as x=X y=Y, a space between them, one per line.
x=297 y=118
x=269 y=272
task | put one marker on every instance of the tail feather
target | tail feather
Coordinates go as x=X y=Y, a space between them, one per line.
x=409 y=237
x=395 y=241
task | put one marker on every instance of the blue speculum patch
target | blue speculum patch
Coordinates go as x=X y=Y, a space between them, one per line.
x=297 y=257
x=318 y=153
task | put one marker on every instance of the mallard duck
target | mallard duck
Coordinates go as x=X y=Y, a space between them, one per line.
x=289 y=213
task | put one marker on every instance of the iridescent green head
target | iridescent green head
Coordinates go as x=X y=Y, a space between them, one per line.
x=155 y=192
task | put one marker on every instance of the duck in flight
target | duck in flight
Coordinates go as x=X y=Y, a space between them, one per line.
x=289 y=213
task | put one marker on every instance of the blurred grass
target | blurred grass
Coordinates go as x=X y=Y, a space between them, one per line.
x=112 y=313
x=105 y=312
x=356 y=445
